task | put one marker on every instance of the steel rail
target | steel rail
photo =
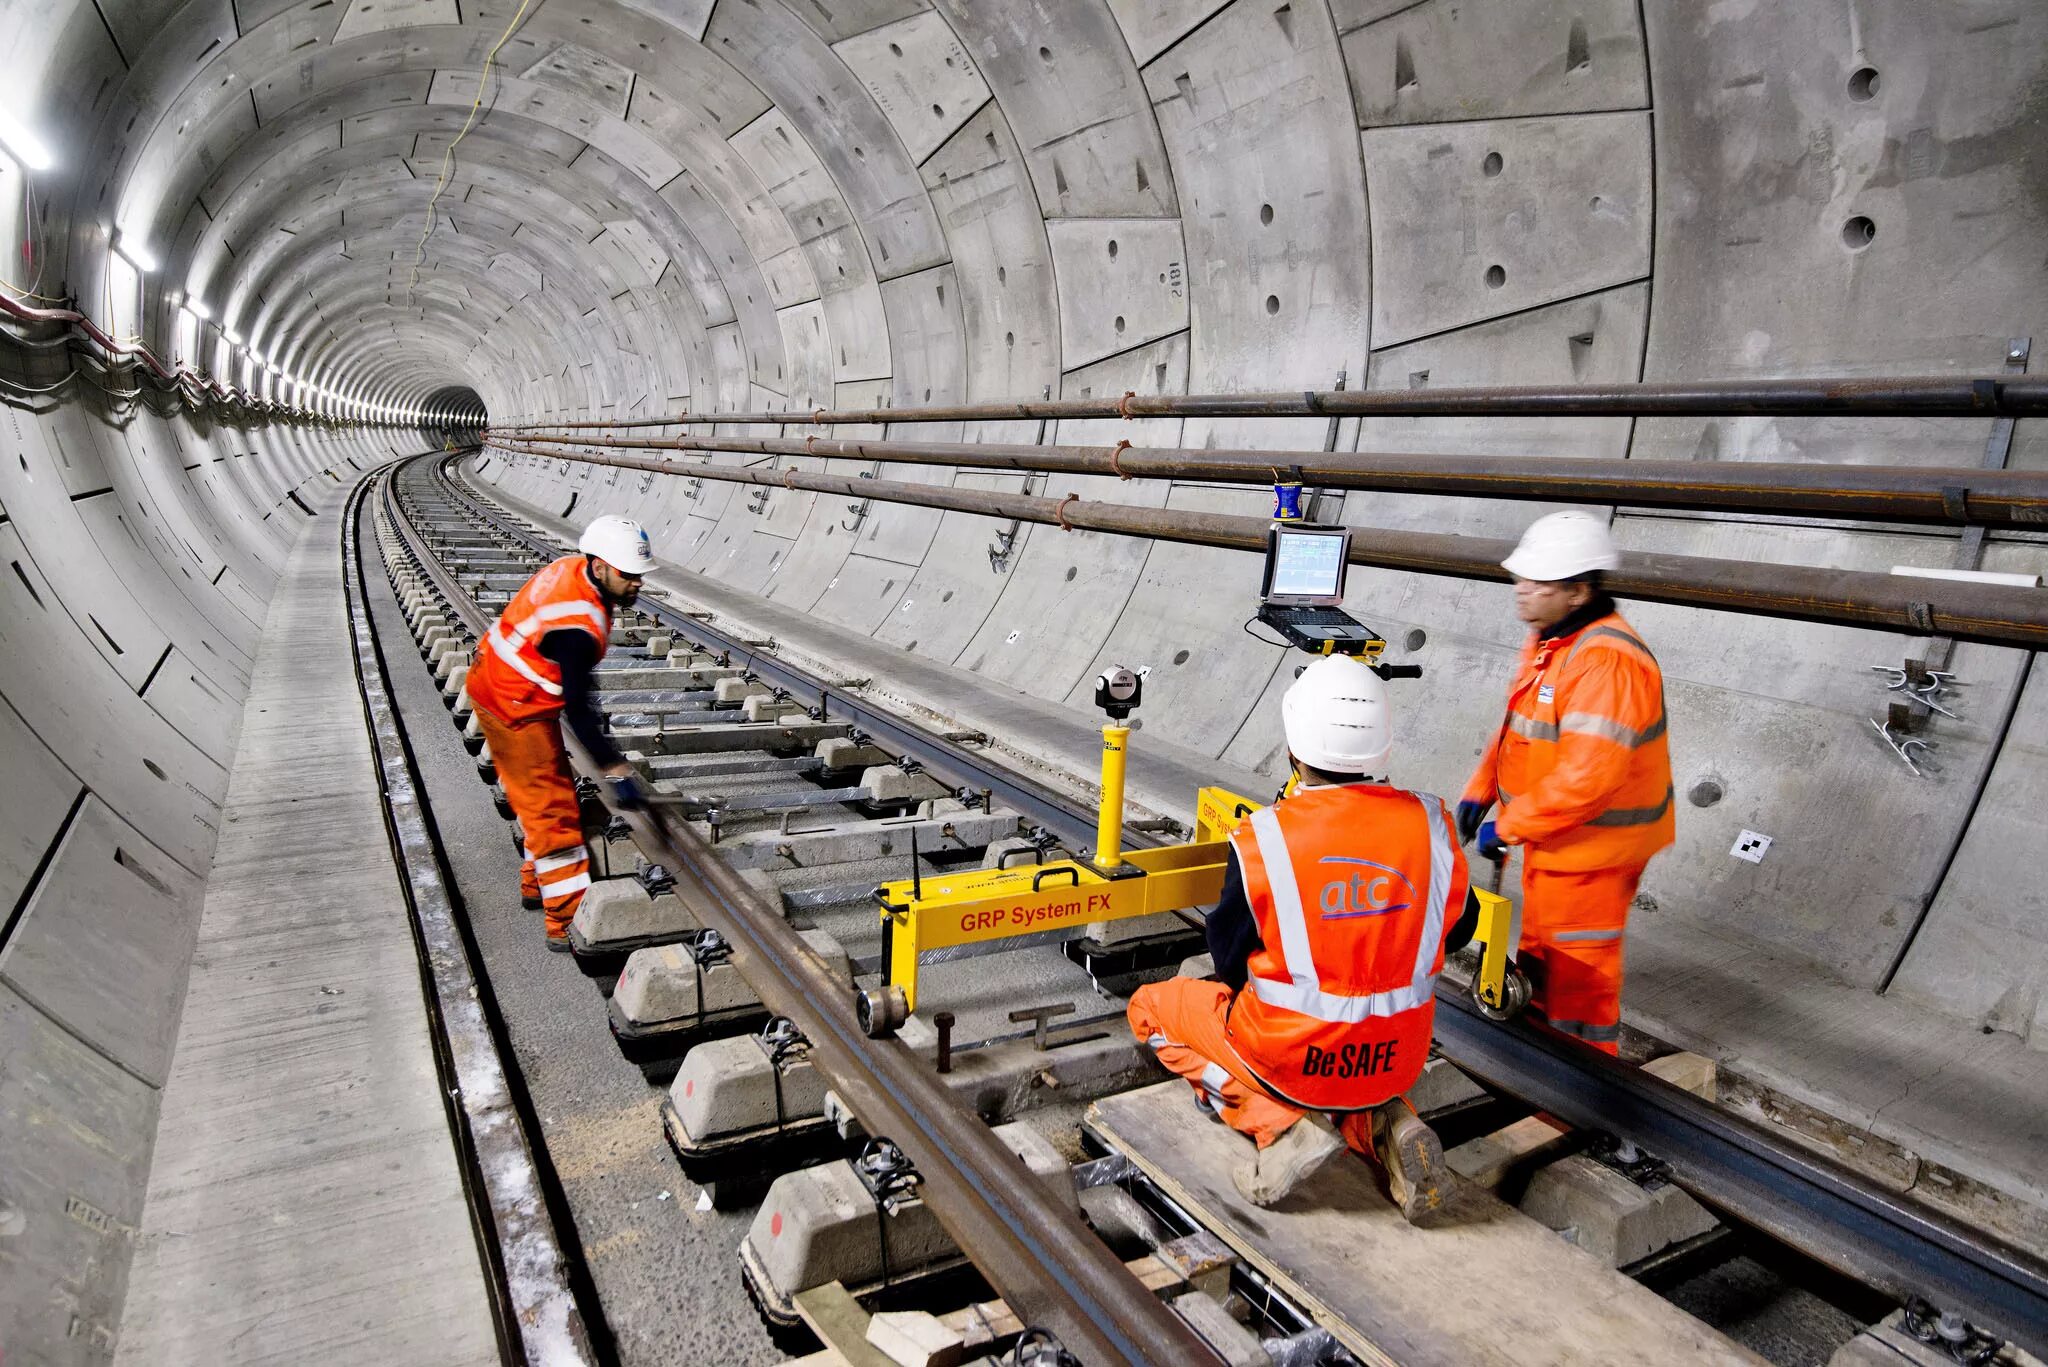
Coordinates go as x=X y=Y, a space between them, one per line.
x=1996 y=614
x=1826 y=1210
x=1959 y=495
x=1934 y=396
x=1034 y=1250
x=1836 y=1216
x=533 y=1302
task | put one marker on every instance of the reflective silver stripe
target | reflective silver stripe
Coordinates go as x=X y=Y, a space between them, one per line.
x=1530 y=727
x=1597 y=632
x=554 y=612
x=1577 y=936
x=1597 y=1034
x=1440 y=867
x=507 y=652
x=1286 y=894
x=1633 y=816
x=558 y=861
x=1214 y=1078
x=577 y=883
x=1328 y=1006
x=1593 y=724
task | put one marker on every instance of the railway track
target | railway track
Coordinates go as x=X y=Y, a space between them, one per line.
x=738 y=917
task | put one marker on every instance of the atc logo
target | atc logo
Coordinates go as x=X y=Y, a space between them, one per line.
x=646 y=547
x=1370 y=889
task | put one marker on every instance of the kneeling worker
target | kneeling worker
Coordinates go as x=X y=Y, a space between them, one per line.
x=1327 y=943
x=532 y=670
x=1582 y=773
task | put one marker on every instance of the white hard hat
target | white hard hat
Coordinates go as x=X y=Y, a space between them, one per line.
x=1563 y=546
x=1336 y=717
x=620 y=542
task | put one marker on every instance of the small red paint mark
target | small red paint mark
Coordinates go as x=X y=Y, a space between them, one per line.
x=690 y=1087
x=775 y=1226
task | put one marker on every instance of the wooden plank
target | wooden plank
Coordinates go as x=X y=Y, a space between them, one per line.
x=1485 y=1287
x=991 y=1320
x=840 y=1324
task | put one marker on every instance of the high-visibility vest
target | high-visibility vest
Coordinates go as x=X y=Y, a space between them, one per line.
x=1581 y=766
x=511 y=679
x=1353 y=888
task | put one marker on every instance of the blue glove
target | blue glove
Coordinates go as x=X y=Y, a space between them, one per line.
x=1490 y=843
x=1470 y=814
x=627 y=794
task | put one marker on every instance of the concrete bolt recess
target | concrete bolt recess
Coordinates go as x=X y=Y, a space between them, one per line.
x=727 y=1086
x=767 y=709
x=818 y=1225
x=662 y=983
x=618 y=913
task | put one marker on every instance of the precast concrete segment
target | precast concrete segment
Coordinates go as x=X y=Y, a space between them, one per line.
x=1994 y=614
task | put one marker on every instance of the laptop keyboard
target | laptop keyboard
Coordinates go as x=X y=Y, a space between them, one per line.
x=1318 y=617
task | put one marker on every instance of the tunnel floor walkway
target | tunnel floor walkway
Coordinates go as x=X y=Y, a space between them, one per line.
x=305 y=1201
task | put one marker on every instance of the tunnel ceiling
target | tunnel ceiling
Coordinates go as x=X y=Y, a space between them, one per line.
x=768 y=203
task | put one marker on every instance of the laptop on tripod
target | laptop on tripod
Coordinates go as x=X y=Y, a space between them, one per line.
x=1303 y=586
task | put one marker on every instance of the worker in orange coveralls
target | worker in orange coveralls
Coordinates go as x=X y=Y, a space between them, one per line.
x=1581 y=771
x=534 y=670
x=1338 y=904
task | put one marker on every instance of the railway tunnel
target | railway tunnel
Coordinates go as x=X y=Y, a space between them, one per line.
x=949 y=350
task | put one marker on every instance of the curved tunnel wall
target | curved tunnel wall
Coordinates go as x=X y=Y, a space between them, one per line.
x=744 y=204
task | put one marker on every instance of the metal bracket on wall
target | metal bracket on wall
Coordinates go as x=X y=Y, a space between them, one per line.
x=861 y=509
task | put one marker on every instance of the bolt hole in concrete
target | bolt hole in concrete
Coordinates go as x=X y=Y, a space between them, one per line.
x=895 y=50
x=1112 y=249
x=1045 y=55
x=1491 y=166
x=1266 y=214
x=1858 y=233
x=156 y=769
x=1272 y=303
x=1009 y=339
x=1119 y=322
x=1705 y=793
x=1180 y=657
x=1416 y=639
x=1072 y=570
x=1863 y=82
x=946 y=597
x=1496 y=276
x=938 y=112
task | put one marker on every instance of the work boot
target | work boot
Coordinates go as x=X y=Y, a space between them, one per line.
x=1412 y=1157
x=559 y=944
x=1269 y=1176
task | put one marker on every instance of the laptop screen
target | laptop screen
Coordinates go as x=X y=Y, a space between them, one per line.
x=1306 y=567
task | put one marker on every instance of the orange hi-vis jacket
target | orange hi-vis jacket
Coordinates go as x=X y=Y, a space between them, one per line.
x=511 y=679
x=1353 y=888
x=1581 y=766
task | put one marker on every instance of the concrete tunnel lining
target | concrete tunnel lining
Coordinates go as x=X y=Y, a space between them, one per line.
x=777 y=205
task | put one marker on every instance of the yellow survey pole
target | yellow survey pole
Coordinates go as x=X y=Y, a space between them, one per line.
x=1109 y=819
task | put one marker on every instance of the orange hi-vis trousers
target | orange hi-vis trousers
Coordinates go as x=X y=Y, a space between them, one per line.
x=533 y=766
x=1182 y=1019
x=1572 y=926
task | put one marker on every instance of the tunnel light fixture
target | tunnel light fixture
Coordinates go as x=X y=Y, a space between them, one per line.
x=228 y=334
x=196 y=306
x=135 y=252
x=23 y=145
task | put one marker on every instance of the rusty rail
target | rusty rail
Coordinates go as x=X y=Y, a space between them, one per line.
x=1992 y=613
x=1972 y=495
x=1934 y=396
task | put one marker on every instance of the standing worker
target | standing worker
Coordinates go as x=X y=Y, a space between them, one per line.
x=533 y=670
x=1582 y=773
x=1327 y=943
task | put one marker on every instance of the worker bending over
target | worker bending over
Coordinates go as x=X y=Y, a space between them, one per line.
x=1336 y=907
x=1581 y=771
x=534 y=668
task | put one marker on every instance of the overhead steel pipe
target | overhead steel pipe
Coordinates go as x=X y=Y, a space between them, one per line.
x=1994 y=498
x=1996 y=614
x=1963 y=396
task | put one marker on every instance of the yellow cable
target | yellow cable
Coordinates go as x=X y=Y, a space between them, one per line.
x=448 y=156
